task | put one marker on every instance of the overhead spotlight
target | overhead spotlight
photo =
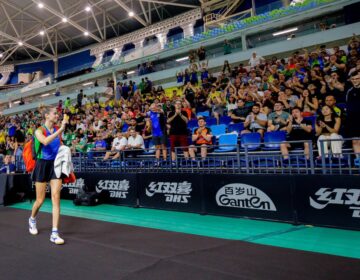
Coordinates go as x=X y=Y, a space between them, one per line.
x=1 y=55
x=64 y=19
x=86 y=33
x=42 y=32
x=88 y=8
x=41 y=5
x=131 y=14
x=20 y=43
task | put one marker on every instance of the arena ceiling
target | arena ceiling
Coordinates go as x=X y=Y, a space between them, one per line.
x=35 y=29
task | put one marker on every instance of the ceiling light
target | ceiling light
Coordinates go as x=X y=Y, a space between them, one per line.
x=41 y=5
x=131 y=14
x=42 y=32
x=285 y=31
x=88 y=8
x=182 y=59
x=20 y=43
x=1 y=55
x=131 y=72
x=45 y=94
x=64 y=19
x=87 y=84
x=86 y=33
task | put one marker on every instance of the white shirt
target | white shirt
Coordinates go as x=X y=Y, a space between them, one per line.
x=80 y=125
x=134 y=141
x=253 y=123
x=119 y=143
x=97 y=127
x=253 y=62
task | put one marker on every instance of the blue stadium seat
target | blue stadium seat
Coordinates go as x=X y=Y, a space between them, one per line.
x=253 y=141
x=273 y=137
x=211 y=121
x=218 y=130
x=204 y=114
x=225 y=120
x=313 y=121
x=264 y=161
x=191 y=124
x=151 y=149
x=227 y=143
x=235 y=127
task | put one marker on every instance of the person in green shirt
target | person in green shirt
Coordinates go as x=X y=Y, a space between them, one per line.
x=227 y=47
x=81 y=145
x=68 y=138
x=142 y=85
x=67 y=103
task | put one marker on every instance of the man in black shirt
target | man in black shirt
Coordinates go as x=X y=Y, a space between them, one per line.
x=178 y=130
x=240 y=113
x=80 y=97
x=353 y=112
x=298 y=129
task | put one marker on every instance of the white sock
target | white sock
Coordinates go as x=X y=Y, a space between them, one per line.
x=54 y=231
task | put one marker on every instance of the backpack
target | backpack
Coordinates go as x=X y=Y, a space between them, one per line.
x=30 y=153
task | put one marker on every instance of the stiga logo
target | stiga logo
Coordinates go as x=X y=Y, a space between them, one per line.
x=244 y=196
x=76 y=186
x=347 y=197
x=117 y=189
x=173 y=192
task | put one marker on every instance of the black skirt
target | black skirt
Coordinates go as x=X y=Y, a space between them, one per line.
x=44 y=171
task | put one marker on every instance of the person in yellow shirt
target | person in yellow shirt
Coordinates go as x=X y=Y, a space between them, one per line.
x=2 y=136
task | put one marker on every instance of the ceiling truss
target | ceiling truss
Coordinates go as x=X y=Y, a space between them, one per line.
x=22 y=22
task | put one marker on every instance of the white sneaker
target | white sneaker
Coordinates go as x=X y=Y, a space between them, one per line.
x=32 y=226
x=55 y=238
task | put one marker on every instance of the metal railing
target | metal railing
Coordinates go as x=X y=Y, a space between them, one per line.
x=239 y=159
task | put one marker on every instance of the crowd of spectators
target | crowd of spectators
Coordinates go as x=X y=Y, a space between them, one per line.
x=276 y=94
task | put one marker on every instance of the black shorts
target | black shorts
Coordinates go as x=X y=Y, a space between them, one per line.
x=160 y=140
x=44 y=171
